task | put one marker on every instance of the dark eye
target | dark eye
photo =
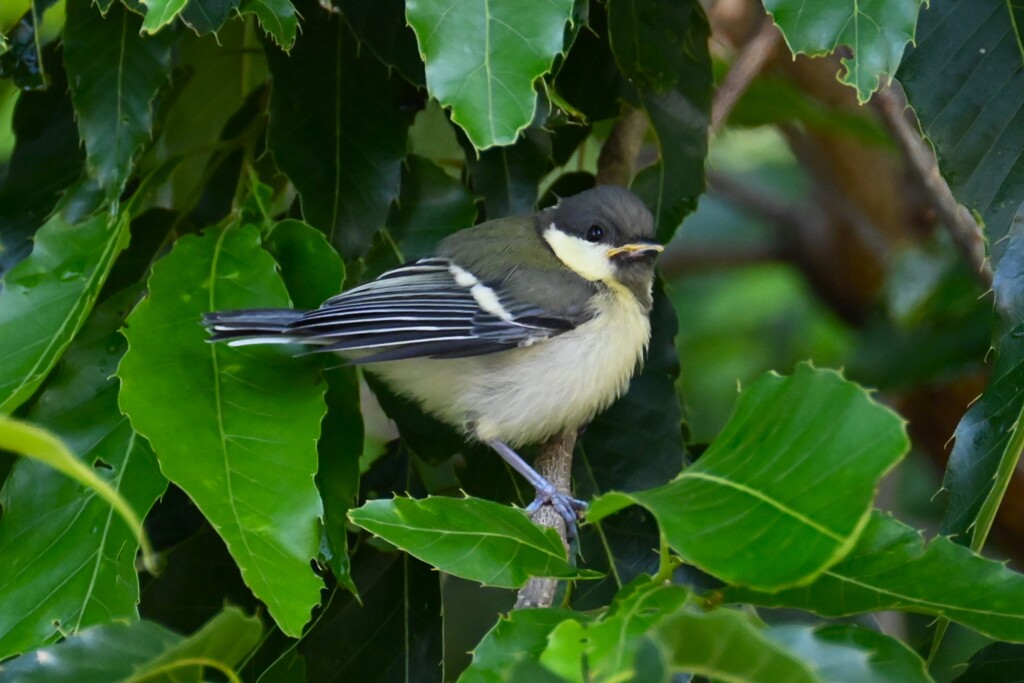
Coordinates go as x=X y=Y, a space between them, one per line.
x=595 y=233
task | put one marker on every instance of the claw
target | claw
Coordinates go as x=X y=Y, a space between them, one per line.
x=569 y=508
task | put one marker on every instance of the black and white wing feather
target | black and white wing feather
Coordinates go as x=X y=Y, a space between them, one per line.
x=430 y=308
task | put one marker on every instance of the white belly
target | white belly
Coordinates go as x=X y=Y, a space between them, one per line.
x=525 y=395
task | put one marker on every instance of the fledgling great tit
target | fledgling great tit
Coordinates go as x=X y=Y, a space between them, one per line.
x=515 y=330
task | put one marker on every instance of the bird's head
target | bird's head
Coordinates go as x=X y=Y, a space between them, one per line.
x=606 y=235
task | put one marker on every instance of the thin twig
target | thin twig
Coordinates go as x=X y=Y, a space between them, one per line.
x=966 y=233
x=748 y=64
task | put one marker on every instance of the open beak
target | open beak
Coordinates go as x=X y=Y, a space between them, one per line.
x=636 y=250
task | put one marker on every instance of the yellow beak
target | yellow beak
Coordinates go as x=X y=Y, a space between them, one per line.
x=636 y=248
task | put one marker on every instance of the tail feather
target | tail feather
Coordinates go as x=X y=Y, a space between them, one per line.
x=254 y=326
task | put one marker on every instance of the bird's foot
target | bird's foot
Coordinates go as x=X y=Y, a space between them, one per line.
x=570 y=509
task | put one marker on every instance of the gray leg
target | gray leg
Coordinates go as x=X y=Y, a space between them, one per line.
x=568 y=507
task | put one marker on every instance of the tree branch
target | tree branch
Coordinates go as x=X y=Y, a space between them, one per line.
x=615 y=166
x=748 y=64
x=920 y=158
x=554 y=464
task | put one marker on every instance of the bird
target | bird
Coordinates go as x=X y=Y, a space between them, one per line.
x=511 y=331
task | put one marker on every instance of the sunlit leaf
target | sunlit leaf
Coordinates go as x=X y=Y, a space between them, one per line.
x=483 y=58
x=725 y=644
x=277 y=17
x=46 y=298
x=468 y=537
x=876 y=30
x=892 y=568
x=235 y=428
x=93 y=579
x=847 y=653
x=159 y=13
x=796 y=467
x=520 y=636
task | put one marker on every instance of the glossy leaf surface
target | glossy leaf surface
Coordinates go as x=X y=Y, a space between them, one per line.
x=339 y=140
x=483 y=58
x=93 y=579
x=877 y=31
x=46 y=298
x=114 y=74
x=236 y=429
x=469 y=537
x=141 y=651
x=796 y=467
x=892 y=568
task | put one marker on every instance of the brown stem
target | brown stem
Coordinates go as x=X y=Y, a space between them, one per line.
x=619 y=152
x=554 y=464
x=966 y=233
x=748 y=64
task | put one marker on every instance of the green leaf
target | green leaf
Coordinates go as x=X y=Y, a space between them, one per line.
x=997 y=663
x=46 y=159
x=140 y=651
x=520 y=636
x=876 y=30
x=337 y=129
x=431 y=206
x=393 y=632
x=795 y=467
x=508 y=178
x=217 y=76
x=33 y=442
x=337 y=476
x=207 y=16
x=892 y=568
x=589 y=79
x=381 y=26
x=648 y=420
x=277 y=17
x=672 y=66
x=47 y=297
x=93 y=578
x=609 y=646
x=205 y=409
x=845 y=653
x=159 y=13
x=114 y=74
x=311 y=269
x=476 y=539
x=483 y=57
x=975 y=124
x=725 y=644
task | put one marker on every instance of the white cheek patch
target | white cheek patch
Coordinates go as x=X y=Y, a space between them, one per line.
x=586 y=259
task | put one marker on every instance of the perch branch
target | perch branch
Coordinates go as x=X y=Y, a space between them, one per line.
x=614 y=167
x=554 y=464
